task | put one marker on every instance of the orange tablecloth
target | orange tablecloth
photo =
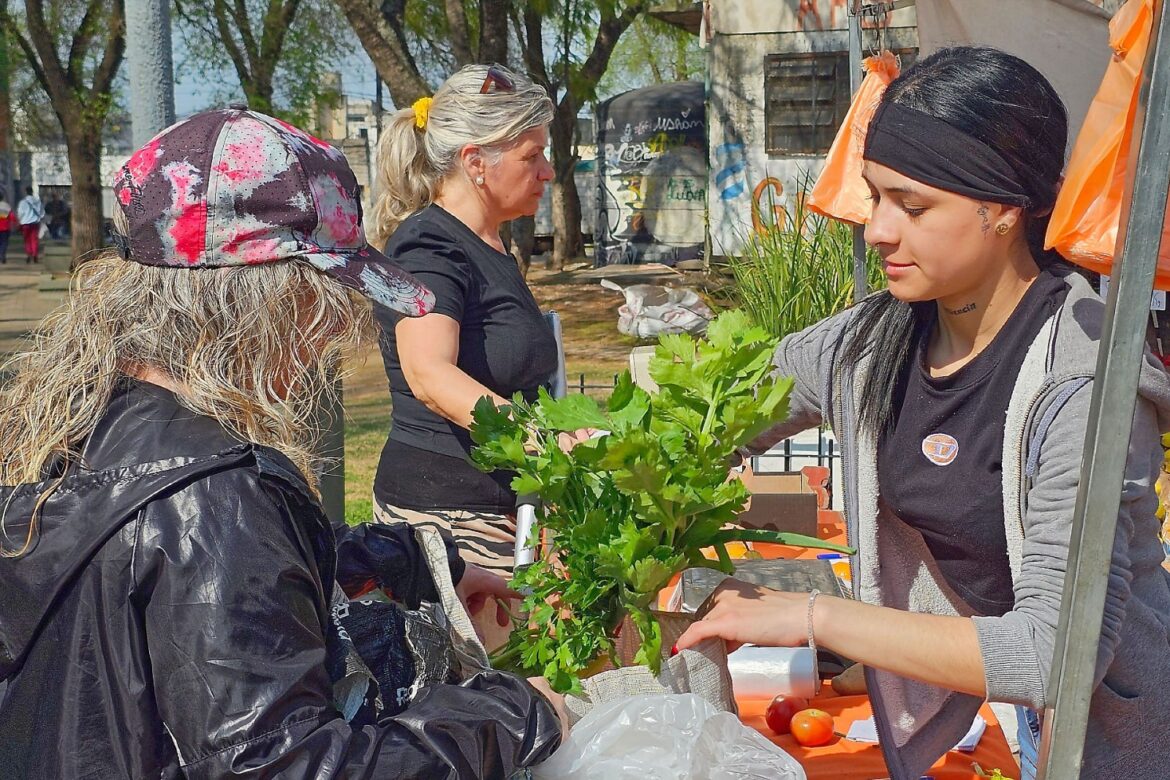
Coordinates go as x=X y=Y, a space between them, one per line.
x=843 y=759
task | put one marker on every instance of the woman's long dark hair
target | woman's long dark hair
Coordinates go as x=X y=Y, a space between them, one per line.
x=1008 y=105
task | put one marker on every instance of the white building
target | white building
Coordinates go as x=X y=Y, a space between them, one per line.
x=778 y=82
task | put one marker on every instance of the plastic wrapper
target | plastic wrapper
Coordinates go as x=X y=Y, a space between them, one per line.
x=1087 y=215
x=651 y=310
x=669 y=737
x=840 y=192
x=764 y=672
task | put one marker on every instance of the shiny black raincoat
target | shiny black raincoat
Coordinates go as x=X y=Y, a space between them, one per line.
x=170 y=620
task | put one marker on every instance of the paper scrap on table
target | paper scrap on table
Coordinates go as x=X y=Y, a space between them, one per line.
x=866 y=731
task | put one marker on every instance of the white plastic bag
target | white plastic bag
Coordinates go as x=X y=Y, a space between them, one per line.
x=668 y=737
x=651 y=310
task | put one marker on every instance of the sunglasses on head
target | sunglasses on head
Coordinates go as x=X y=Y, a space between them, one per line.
x=498 y=77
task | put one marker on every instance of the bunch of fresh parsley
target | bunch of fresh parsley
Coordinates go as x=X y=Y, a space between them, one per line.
x=628 y=510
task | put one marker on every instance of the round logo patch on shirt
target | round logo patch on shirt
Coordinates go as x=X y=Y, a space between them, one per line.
x=940 y=448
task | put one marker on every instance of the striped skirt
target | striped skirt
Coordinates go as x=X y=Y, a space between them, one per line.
x=485 y=539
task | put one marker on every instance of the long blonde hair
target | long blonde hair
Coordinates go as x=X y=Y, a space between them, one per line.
x=251 y=346
x=412 y=161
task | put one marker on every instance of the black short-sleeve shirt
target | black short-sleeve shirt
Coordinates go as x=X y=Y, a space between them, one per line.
x=940 y=468
x=505 y=344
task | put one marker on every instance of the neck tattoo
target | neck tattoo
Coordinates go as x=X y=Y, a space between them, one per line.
x=970 y=307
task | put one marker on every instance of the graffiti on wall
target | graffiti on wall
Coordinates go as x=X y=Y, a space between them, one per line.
x=653 y=187
x=751 y=192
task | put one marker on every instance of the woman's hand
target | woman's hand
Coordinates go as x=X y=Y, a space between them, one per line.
x=742 y=614
x=478 y=585
x=568 y=440
x=941 y=650
x=556 y=700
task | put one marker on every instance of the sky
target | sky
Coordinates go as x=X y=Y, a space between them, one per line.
x=194 y=92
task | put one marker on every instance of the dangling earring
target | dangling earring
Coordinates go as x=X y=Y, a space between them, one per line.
x=479 y=181
x=1002 y=229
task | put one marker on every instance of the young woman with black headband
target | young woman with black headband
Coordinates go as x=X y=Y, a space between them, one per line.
x=960 y=396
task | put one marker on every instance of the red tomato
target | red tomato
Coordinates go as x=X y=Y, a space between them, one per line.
x=812 y=727
x=781 y=710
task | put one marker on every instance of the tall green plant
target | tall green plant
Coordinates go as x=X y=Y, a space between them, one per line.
x=793 y=275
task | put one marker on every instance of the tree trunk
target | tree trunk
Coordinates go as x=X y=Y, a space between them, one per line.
x=457 y=37
x=521 y=242
x=5 y=113
x=493 y=31
x=85 y=170
x=566 y=204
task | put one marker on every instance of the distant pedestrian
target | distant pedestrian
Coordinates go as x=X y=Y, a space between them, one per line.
x=30 y=212
x=7 y=224
x=55 y=211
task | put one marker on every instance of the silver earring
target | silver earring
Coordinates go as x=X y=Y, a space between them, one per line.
x=479 y=181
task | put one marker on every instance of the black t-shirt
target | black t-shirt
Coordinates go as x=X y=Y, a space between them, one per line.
x=940 y=468
x=505 y=344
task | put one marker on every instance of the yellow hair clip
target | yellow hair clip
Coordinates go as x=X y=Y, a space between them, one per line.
x=422 y=112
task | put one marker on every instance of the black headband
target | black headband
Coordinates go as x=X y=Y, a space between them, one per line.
x=928 y=150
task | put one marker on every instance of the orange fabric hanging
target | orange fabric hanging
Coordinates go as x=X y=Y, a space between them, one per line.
x=840 y=192
x=1087 y=213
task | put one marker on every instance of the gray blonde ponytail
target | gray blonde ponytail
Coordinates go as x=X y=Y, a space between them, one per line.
x=405 y=181
x=412 y=162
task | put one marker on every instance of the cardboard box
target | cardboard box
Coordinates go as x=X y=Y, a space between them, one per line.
x=780 y=502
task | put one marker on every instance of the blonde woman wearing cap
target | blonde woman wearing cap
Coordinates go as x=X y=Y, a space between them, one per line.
x=167 y=572
x=451 y=170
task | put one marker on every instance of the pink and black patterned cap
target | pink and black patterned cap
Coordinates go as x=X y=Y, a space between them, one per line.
x=235 y=187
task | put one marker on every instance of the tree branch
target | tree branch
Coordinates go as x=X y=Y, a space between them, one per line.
x=81 y=40
x=6 y=23
x=493 y=31
x=107 y=69
x=43 y=50
x=244 y=25
x=201 y=21
x=277 y=22
x=239 y=59
x=608 y=33
x=457 y=30
x=387 y=49
x=534 y=50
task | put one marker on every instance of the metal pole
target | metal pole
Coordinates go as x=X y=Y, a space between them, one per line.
x=152 y=77
x=859 y=275
x=378 y=103
x=1110 y=421
x=5 y=121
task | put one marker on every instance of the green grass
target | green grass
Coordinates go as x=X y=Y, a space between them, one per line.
x=791 y=277
x=366 y=427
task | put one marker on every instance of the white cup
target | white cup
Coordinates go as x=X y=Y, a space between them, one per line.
x=764 y=672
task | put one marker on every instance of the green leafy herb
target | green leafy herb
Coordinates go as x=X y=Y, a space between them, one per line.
x=629 y=510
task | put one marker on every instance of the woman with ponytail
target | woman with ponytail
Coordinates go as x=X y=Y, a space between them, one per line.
x=451 y=170
x=961 y=396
